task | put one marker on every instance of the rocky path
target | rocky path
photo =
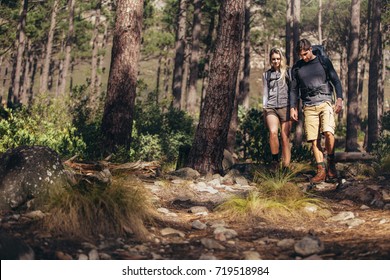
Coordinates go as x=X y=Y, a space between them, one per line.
x=356 y=226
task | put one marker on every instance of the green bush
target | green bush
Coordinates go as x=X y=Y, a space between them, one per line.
x=159 y=135
x=46 y=123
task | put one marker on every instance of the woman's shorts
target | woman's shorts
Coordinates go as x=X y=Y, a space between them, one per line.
x=283 y=114
x=319 y=119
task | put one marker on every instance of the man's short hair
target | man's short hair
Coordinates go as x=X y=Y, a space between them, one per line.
x=303 y=45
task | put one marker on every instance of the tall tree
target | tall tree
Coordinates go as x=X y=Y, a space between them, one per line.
x=68 y=47
x=95 y=49
x=206 y=154
x=320 y=21
x=20 y=43
x=296 y=6
x=194 y=63
x=179 y=56
x=118 y=113
x=289 y=25
x=49 y=47
x=375 y=74
x=353 y=121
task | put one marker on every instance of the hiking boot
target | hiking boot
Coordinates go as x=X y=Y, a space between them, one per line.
x=332 y=171
x=320 y=176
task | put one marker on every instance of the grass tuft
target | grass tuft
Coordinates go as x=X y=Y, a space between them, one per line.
x=118 y=209
x=276 y=197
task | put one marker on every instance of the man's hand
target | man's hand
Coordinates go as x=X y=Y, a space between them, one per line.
x=338 y=106
x=294 y=114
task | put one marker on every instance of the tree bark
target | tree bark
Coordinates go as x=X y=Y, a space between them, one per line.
x=13 y=93
x=353 y=120
x=375 y=74
x=320 y=22
x=194 y=64
x=117 y=120
x=296 y=22
x=289 y=25
x=179 y=57
x=94 y=61
x=68 y=47
x=206 y=154
x=49 y=48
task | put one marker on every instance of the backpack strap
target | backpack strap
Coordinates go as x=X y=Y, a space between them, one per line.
x=268 y=78
x=323 y=61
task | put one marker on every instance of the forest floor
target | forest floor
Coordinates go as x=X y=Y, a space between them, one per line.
x=364 y=235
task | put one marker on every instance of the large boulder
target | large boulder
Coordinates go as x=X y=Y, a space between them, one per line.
x=29 y=172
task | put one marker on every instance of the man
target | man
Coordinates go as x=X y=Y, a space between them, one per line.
x=314 y=78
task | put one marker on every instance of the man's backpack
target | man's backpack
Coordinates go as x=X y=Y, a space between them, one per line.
x=319 y=50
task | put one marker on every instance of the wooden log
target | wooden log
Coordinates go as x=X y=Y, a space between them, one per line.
x=353 y=156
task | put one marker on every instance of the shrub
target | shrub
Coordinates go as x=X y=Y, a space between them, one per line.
x=46 y=123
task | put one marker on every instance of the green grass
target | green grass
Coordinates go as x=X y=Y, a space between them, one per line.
x=118 y=209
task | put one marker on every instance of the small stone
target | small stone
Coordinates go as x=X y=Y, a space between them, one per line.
x=198 y=225
x=251 y=255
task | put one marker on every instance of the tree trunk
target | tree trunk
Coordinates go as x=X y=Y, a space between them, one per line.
x=94 y=61
x=375 y=74
x=179 y=57
x=194 y=64
x=49 y=47
x=209 y=44
x=206 y=154
x=362 y=73
x=244 y=82
x=68 y=47
x=289 y=25
x=117 y=120
x=13 y=93
x=101 y=60
x=353 y=120
x=296 y=22
x=320 y=22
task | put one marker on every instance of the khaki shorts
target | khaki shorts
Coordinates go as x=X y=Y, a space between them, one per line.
x=282 y=113
x=319 y=119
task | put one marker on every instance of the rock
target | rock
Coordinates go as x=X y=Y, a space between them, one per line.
x=63 y=256
x=286 y=243
x=207 y=256
x=83 y=257
x=211 y=244
x=251 y=255
x=228 y=233
x=202 y=187
x=29 y=172
x=186 y=173
x=308 y=246
x=171 y=231
x=93 y=254
x=342 y=216
x=198 y=225
x=354 y=222
x=199 y=210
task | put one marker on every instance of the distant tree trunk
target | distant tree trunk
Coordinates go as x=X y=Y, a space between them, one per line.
x=320 y=22
x=184 y=84
x=206 y=154
x=375 y=74
x=194 y=64
x=244 y=82
x=101 y=60
x=179 y=57
x=353 y=120
x=49 y=48
x=94 y=61
x=167 y=74
x=117 y=119
x=68 y=47
x=363 y=64
x=343 y=79
x=296 y=22
x=289 y=25
x=13 y=93
x=24 y=92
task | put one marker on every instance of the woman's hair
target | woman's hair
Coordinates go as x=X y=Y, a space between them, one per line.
x=283 y=62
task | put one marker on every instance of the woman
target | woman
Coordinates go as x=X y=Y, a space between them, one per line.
x=276 y=105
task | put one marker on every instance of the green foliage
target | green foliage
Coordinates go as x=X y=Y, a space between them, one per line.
x=158 y=135
x=47 y=123
x=252 y=137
